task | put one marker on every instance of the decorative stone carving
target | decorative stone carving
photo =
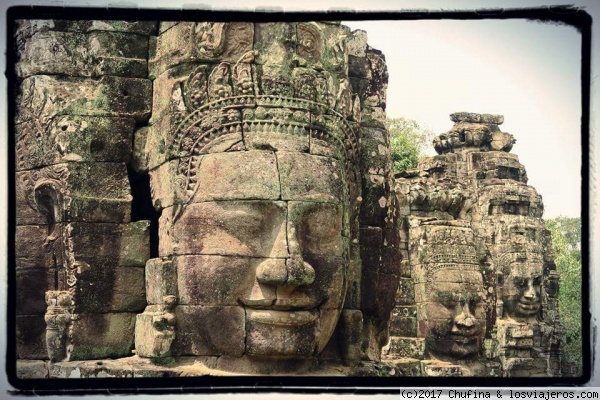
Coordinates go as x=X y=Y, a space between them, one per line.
x=58 y=320
x=155 y=329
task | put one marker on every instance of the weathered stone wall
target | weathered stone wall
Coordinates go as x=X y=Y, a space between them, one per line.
x=82 y=89
x=477 y=183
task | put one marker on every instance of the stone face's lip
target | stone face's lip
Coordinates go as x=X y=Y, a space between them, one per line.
x=465 y=339
x=284 y=304
x=529 y=306
x=284 y=318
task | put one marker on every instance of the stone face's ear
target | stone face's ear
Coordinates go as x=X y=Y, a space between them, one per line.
x=48 y=195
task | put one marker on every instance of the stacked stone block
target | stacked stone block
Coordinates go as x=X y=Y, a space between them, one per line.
x=82 y=89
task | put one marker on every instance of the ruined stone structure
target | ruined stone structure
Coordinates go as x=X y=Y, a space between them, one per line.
x=268 y=163
x=477 y=261
x=202 y=198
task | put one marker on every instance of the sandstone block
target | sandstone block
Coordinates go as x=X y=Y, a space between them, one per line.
x=390 y=261
x=373 y=116
x=201 y=41
x=441 y=369
x=46 y=96
x=335 y=49
x=375 y=192
x=99 y=192
x=27 y=212
x=350 y=334
x=266 y=339
x=377 y=292
x=71 y=138
x=371 y=236
x=32 y=251
x=210 y=331
x=474 y=117
x=375 y=151
x=406 y=292
x=97 y=336
x=404 y=347
x=357 y=43
x=371 y=259
x=238 y=228
x=223 y=176
x=221 y=280
x=154 y=333
x=109 y=288
x=172 y=89
x=406 y=367
x=161 y=280
x=316 y=229
x=403 y=321
x=31 y=337
x=139 y=158
x=76 y=54
x=31 y=287
x=29 y=27
x=91 y=369
x=124 y=245
x=261 y=139
x=275 y=42
x=309 y=177
x=32 y=369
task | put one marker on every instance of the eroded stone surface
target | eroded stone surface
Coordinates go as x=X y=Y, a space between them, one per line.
x=72 y=138
x=94 y=54
x=43 y=96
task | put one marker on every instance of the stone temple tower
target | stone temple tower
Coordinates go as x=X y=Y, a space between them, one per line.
x=504 y=322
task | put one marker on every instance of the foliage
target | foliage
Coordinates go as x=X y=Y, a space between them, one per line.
x=408 y=141
x=566 y=241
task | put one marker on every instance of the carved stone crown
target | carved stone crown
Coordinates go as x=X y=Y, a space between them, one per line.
x=518 y=249
x=228 y=100
x=474 y=131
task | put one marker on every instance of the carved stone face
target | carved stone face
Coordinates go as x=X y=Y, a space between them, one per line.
x=275 y=260
x=521 y=291
x=455 y=313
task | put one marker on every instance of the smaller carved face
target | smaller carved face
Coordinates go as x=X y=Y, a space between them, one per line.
x=455 y=313
x=522 y=290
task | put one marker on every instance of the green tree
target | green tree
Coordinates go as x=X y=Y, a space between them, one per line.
x=566 y=241
x=408 y=142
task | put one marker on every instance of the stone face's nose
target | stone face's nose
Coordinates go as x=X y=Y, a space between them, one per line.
x=300 y=273
x=530 y=293
x=294 y=272
x=272 y=272
x=465 y=318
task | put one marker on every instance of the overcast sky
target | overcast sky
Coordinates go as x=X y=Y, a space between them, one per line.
x=527 y=71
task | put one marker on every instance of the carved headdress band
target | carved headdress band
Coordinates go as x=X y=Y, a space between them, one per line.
x=226 y=102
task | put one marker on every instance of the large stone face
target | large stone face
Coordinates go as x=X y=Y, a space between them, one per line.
x=253 y=153
x=251 y=136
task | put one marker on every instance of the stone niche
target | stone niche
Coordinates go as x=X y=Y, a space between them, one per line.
x=478 y=289
x=261 y=149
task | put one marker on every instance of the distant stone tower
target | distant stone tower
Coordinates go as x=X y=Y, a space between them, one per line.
x=475 y=183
